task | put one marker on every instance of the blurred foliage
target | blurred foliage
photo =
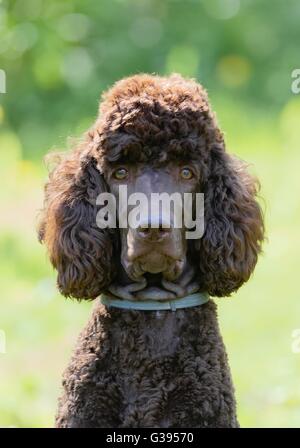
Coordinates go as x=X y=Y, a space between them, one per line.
x=58 y=57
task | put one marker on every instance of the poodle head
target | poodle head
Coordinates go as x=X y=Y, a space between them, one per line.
x=153 y=135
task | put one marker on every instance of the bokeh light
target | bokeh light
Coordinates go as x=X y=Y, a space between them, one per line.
x=222 y=9
x=234 y=70
x=183 y=59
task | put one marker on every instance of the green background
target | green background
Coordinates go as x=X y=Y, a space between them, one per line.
x=58 y=57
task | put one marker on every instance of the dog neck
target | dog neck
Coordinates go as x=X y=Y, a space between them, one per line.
x=189 y=301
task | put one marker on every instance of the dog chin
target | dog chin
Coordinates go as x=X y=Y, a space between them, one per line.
x=169 y=269
x=174 y=279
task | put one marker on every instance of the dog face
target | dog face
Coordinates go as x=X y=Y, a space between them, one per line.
x=153 y=135
x=155 y=245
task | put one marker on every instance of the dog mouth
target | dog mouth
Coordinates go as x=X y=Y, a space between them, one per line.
x=167 y=267
x=155 y=272
x=154 y=277
x=155 y=263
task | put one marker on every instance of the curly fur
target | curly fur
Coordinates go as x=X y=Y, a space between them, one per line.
x=113 y=381
x=122 y=373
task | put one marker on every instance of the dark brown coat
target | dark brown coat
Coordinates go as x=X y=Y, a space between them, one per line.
x=135 y=369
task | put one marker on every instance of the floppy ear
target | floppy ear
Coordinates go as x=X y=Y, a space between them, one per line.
x=233 y=225
x=79 y=250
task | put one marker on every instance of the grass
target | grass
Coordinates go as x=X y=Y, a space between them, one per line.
x=257 y=323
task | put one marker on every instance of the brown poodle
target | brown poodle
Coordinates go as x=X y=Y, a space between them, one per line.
x=153 y=367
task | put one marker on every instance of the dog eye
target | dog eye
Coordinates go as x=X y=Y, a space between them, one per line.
x=186 y=173
x=120 y=174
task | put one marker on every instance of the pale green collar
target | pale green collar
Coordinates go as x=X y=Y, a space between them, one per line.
x=189 y=301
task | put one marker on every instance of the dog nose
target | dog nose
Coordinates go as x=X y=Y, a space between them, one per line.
x=147 y=231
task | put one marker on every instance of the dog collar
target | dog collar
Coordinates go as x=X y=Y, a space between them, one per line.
x=189 y=301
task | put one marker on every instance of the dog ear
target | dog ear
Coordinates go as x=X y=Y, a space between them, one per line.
x=79 y=250
x=234 y=226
